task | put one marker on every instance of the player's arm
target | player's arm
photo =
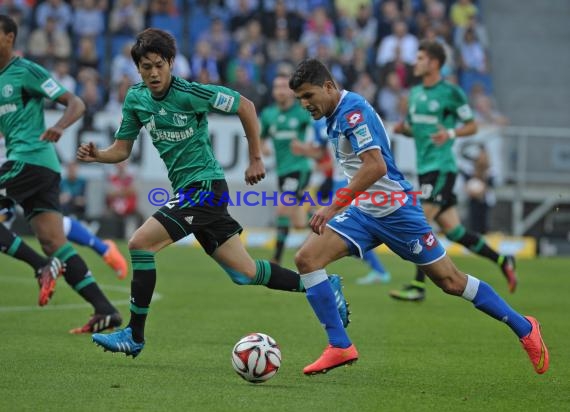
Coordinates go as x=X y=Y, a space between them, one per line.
x=248 y=117
x=120 y=150
x=307 y=149
x=74 y=109
x=403 y=128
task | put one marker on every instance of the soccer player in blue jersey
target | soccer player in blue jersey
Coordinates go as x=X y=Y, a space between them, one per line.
x=362 y=148
x=377 y=274
x=174 y=112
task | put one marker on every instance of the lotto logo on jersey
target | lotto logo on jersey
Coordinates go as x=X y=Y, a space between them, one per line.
x=224 y=102
x=353 y=118
x=50 y=87
x=429 y=240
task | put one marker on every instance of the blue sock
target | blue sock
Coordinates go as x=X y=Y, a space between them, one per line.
x=374 y=262
x=79 y=234
x=321 y=297
x=486 y=300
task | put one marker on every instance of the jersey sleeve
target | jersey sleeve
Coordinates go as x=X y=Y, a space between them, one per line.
x=461 y=106
x=130 y=123
x=39 y=82
x=358 y=126
x=213 y=98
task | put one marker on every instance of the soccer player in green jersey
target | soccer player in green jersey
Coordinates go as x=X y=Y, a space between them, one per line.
x=31 y=176
x=174 y=112
x=283 y=122
x=438 y=112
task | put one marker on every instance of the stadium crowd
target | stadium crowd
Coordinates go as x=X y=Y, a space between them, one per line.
x=370 y=46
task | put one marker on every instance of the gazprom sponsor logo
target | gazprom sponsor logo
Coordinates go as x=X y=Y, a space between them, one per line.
x=424 y=118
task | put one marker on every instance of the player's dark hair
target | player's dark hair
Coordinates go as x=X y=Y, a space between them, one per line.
x=153 y=41
x=8 y=25
x=434 y=50
x=310 y=71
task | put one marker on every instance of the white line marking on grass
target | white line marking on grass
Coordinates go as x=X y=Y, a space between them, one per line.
x=68 y=306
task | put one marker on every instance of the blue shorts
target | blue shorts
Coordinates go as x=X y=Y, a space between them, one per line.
x=406 y=232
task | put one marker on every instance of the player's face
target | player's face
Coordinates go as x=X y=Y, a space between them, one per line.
x=6 y=42
x=318 y=100
x=423 y=63
x=281 y=91
x=155 y=72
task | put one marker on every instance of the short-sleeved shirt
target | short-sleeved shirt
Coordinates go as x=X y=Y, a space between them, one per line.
x=283 y=126
x=23 y=87
x=442 y=104
x=354 y=128
x=178 y=126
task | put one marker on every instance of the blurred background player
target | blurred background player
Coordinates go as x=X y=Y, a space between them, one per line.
x=285 y=122
x=31 y=176
x=73 y=229
x=438 y=112
x=377 y=272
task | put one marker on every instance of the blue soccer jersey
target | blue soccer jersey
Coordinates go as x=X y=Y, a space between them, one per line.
x=353 y=128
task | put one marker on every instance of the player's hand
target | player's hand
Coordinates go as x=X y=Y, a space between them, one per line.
x=87 y=152
x=441 y=136
x=255 y=172
x=52 y=134
x=297 y=147
x=400 y=128
x=319 y=220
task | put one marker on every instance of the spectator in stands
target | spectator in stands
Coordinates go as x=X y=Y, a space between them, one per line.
x=126 y=18
x=461 y=11
x=252 y=36
x=366 y=26
x=476 y=27
x=219 y=40
x=387 y=15
x=283 y=16
x=121 y=194
x=89 y=17
x=366 y=87
x=319 y=31
x=48 y=44
x=87 y=55
x=90 y=92
x=245 y=60
x=359 y=64
x=122 y=65
x=279 y=46
x=241 y=12
x=72 y=195
x=59 y=10
x=390 y=98
x=404 y=71
x=203 y=63
x=473 y=63
x=400 y=40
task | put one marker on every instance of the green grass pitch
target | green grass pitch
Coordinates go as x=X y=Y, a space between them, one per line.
x=438 y=355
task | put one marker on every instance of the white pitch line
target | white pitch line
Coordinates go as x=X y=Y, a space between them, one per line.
x=68 y=306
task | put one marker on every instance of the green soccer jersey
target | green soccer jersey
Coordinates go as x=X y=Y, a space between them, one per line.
x=283 y=127
x=442 y=104
x=178 y=126
x=23 y=87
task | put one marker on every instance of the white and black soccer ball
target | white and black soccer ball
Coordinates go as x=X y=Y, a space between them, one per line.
x=256 y=357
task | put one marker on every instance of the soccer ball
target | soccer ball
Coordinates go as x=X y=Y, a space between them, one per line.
x=256 y=357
